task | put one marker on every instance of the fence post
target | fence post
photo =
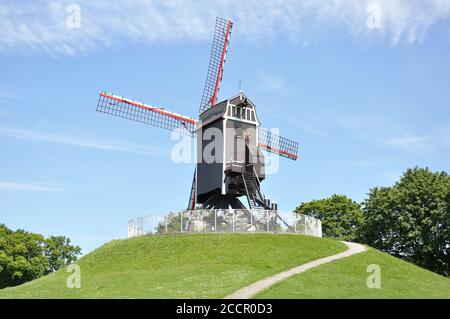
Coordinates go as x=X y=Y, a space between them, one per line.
x=320 y=228
x=165 y=218
x=295 y=224
x=233 y=220
x=306 y=228
x=181 y=222
x=215 y=221
x=267 y=221
x=152 y=225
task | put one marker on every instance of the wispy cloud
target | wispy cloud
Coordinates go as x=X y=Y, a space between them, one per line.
x=28 y=27
x=86 y=142
x=445 y=133
x=273 y=83
x=378 y=130
x=5 y=95
x=359 y=162
x=387 y=132
x=311 y=123
x=27 y=187
x=409 y=143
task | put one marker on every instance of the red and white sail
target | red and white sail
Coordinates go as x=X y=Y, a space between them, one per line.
x=277 y=144
x=136 y=111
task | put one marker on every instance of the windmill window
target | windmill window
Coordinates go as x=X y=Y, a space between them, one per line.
x=253 y=116
x=229 y=111
x=234 y=111
x=248 y=115
x=238 y=113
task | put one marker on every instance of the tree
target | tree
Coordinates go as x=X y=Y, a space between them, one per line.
x=21 y=256
x=411 y=220
x=26 y=256
x=60 y=252
x=340 y=216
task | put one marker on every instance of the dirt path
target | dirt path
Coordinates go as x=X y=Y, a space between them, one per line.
x=251 y=290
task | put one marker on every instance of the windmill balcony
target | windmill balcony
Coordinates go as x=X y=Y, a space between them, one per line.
x=234 y=167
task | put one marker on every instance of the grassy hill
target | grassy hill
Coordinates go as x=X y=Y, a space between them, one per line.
x=346 y=278
x=215 y=265
x=179 y=266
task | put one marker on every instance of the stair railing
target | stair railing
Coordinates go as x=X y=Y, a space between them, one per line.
x=258 y=186
x=246 y=190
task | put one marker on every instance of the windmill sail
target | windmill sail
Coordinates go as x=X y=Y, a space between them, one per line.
x=277 y=144
x=216 y=63
x=139 y=112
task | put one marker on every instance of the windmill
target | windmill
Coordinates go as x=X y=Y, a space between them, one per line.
x=237 y=165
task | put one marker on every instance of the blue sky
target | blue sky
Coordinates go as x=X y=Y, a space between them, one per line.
x=365 y=101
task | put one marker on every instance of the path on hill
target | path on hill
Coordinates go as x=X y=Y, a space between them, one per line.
x=251 y=290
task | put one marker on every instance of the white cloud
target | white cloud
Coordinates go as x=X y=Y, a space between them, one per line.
x=273 y=83
x=42 y=27
x=26 y=187
x=445 y=133
x=87 y=142
x=409 y=143
x=361 y=162
x=312 y=123
x=4 y=95
x=386 y=131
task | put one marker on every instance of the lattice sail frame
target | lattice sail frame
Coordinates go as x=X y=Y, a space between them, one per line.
x=277 y=144
x=219 y=51
x=147 y=114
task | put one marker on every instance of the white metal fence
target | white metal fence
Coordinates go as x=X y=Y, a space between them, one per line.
x=229 y=220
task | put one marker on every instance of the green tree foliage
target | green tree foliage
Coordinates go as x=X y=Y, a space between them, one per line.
x=59 y=252
x=341 y=217
x=26 y=256
x=411 y=219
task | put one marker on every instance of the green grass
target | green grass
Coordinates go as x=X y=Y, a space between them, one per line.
x=215 y=265
x=179 y=266
x=346 y=278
